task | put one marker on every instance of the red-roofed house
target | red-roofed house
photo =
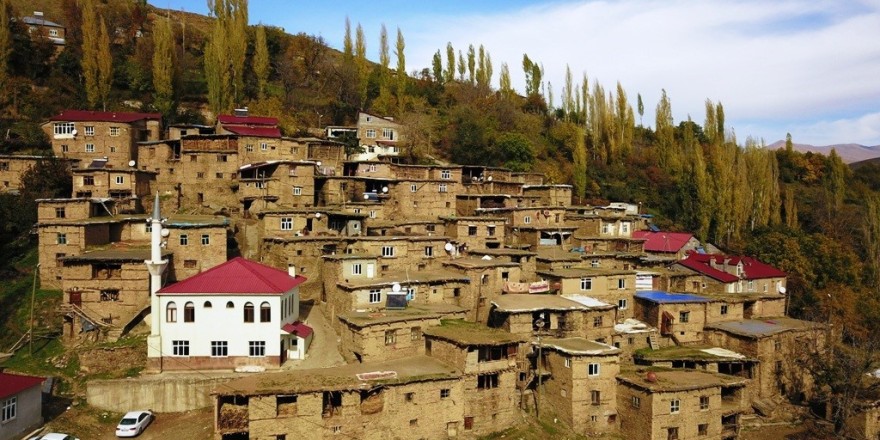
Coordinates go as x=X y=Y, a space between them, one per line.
x=238 y=315
x=89 y=135
x=667 y=244
x=731 y=274
x=244 y=125
x=21 y=405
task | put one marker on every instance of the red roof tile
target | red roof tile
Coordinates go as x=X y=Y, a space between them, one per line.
x=12 y=384
x=92 y=116
x=298 y=329
x=236 y=277
x=246 y=120
x=663 y=241
x=705 y=269
x=752 y=268
x=244 y=130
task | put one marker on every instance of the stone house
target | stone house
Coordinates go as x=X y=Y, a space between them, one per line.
x=328 y=154
x=240 y=122
x=177 y=131
x=365 y=401
x=475 y=201
x=21 y=405
x=778 y=345
x=384 y=135
x=527 y=178
x=488 y=279
x=550 y=195
x=90 y=135
x=865 y=423
x=405 y=226
x=128 y=187
x=258 y=306
x=672 y=246
x=679 y=316
x=581 y=389
x=680 y=404
x=13 y=166
x=39 y=28
x=489 y=360
x=284 y=183
x=392 y=333
x=725 y=274
x=705 y=358
x=285 y=222
x=611 y=286
x=528 y=315
x=475 y=232
x=306 y=253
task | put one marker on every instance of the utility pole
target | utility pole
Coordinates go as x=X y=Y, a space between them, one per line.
x=33 y=301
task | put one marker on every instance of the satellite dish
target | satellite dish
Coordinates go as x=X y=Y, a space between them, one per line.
x=132 y=163
x=165 y=232
x=317 y=215
x=489 y=178
x=73 y=132
x=366 y=197
x=486 y=257
x=395 y=287
x=539 y=322
x=448 y=247
x=384 y=189
x=781 y=289
x=318 y=163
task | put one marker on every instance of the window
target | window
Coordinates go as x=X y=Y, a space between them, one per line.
x=622 y=304
x=636 y=402
x=356 y=269
x=61 y=238
x=264 y=146
x=4 y=166
x=114 y=131
x=9 y=409
x=230 y=305
x=189 y=312
x=63 y=128
x=297 y=190
x=593 y=369
x=487 y=381
x=65 y=148
x=257 y=348
x=371 y=133
x=444 y=393
x=201 y=175
x=90 y=148
x=527 y=219
x=413 y=187
x=248 y=312
x=594 y=262
x=189 y=264
x=595 y=397
x=724 y=309
x=703 y=429
x=674 y=406
x=390 y=337
x=567 y=362
x=388 y=133
x=375 y=296
x=180 y=348
x=184 y=240
x=704 y=402
x=372 y=214
x=110 y=295
x=672 y=433
x=89 y=130
x=777 y=345
x=429 y=251
x=621 y=283
x=441 y=187
x=222 y=158
x=415 y=334
x=207 y=304
x=59 y=213
x=684 y=316
x=490 y=230
x=219 y=348
x=446 y=174
x=597 y=321
x=249 y=147
x=218 y=175
x=206 y=239
x=586 y=283
x=387 y=251
x=265 y=312
x=286 y=223
x=171 y=312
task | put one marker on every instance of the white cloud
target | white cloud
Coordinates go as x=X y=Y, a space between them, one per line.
x=811 y=65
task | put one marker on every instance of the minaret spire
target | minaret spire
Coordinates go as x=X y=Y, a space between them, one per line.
x=156 y=265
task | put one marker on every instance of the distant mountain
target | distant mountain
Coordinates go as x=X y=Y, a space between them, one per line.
x=848 y=152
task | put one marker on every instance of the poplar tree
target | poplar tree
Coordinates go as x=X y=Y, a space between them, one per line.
x=504 y=81
x=624 y=123
x=567 y=94
x=663 y=126
x=97 y=64
x=462 y=66
x=471 y=64
x=384 y=57
x=641 y=108
x=401 y=71
x=437 y=67
x=360 y=59
x=450 y=63
x=5 y=44
x=347 y=47
x=579 y=173
x=261 y=61
x=225 y=53
x=163 y=66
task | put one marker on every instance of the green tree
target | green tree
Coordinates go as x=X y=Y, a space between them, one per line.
x=361 y=64
x=5 y=44
x=449 y=75
x=504 y=82
x=641 y=106
x=437 y=67
x=401 y=72
x=97 y=62
x=515 y=151
x=261 y=61
x=471 y=64
x=163 y=66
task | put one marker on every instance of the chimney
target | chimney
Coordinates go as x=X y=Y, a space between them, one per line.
x=291 y=270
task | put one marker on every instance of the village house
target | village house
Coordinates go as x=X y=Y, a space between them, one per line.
x=13 y=166
x=127 y=186
x=240 y=122
x=378 y=136
x=705 y=358
x=38 y=28
x=177 y=131
x=285 y=222
x=395 y=332
x=680 y=317
x=680 y=404
x=611 y=286
x=416 y=397
x=268 y=185
x=89 y=135
x=550 y=195
x=668 y=246
x=405 y=226
x=581 y=388
x=489 y=360
x=327 y=154
x=726 y=274
x=488 y=280
x=632 y=335
x=778 y=345
x=258 y=306
x=528 y=315
x=865 y=423
x=21 y=405
x=306 y=253
x=476 y=232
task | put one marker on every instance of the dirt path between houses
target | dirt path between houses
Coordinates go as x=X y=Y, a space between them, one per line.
x=90 y=424
x=324 y=350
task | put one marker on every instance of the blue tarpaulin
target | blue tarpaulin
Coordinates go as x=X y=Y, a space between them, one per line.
x=661 y=297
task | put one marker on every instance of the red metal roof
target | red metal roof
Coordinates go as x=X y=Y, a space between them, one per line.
x=245 y=130
x=92 y=116
x=671 y=242
x=298 y=329
x=12 y=384
x=236 y=277
x=246 y=120
x=752 y=268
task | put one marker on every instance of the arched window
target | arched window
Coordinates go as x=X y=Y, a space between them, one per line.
x=248 y=312
x=207 y=305
x=265 y=312
x=189 y=312
x=230 y=305
x=171 y=312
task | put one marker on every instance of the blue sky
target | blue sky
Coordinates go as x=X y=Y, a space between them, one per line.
x=808 y=67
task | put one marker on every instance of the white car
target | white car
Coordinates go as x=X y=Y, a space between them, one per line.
x=54 y=436
x=133 y=423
